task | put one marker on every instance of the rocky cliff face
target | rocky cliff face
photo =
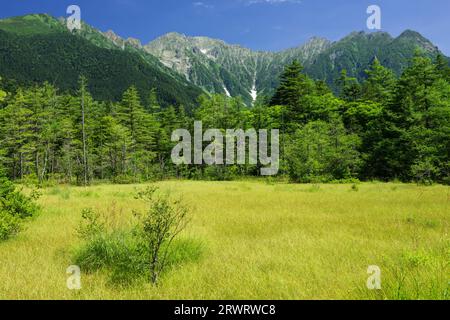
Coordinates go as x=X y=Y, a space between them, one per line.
x=222 y=68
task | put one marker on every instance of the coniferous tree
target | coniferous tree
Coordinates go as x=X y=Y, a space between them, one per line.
x=442 y=67
x=83 y=100
x=294 y=85
x=380 y=84
x=350 y=89
x=142 y=127
x=15 y=127
x=412 y=117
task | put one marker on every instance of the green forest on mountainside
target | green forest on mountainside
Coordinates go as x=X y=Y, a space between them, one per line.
x=48 y=52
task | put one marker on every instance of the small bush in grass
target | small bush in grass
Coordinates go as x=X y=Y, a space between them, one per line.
x=9 y=225
x=314 y=188
x=62 y=192
x=158 y=227
x=412 y=275
x=124 y=179
x=142 y=251
x=91 y=226
x=270 y=181
x=15 y=206
x=15 y=202
x=88 y=194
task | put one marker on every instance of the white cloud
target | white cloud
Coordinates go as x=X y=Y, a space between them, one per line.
x=200 y=4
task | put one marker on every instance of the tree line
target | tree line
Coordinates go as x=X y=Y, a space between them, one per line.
x=383 y=128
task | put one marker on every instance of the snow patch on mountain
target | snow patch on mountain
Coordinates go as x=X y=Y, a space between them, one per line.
x=254 y=91
x=207 y=53
x=226 y=91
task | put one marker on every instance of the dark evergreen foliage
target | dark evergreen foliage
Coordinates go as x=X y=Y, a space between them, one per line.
x=59 y=58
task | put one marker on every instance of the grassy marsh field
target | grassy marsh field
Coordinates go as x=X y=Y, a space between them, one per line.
x=258 y=241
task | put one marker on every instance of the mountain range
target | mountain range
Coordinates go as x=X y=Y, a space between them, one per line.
x=223 y=68
x=36 y=48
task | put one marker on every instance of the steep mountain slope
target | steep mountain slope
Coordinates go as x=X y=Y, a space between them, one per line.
x=219 y=67
x=38 y=48
x=231 y=69
x=356 y=52
x=209 y=63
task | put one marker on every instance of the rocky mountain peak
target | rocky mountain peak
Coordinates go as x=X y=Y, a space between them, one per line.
x=134 y=42
x=415 y=37
x=111 y=35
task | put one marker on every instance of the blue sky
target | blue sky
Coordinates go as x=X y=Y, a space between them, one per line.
x=257 y=24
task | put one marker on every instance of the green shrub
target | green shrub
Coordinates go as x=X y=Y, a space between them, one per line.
x=91 y=226
x=125 y=179
x=63 y=192
x=15 y=202
x=9 y=225
x=314 y=188
x=15 y=206
x=158 y=227
x=144 y=250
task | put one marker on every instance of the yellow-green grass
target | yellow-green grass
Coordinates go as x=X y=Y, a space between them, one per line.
x=260 y=241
